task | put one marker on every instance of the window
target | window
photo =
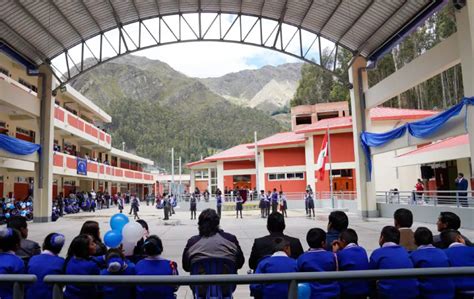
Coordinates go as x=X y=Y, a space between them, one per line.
x=286 y=176
x=28 y=85
x=4 y=71
x=272 y=176
x=303 y=120
x=342 y=172
x=201 y=175
x=280 y=176
x=326 y=115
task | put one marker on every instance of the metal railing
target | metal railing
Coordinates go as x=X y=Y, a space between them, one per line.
x=59 y=281
x=432 y=198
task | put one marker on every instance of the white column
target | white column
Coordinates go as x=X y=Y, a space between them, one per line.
x=43 y=189
x=261 y=170
x=309 y=157
x=366 y=203
x=220 y=175
x=465 y=27
x=192 y=181
x=209 y=180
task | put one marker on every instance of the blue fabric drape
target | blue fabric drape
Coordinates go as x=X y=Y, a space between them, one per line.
x=18 y=146
x=419 y=129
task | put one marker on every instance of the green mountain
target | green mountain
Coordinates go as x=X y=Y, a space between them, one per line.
x=155 y=108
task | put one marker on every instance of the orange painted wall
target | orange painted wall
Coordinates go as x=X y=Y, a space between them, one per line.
x=284 y=157
x=324 y=184
x=342 y=147
x=285 y=185
x=1 y=189
x=202 y=185
x=20 y=190
x=245 y=164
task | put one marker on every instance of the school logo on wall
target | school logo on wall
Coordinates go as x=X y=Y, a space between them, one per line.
x=81 y=166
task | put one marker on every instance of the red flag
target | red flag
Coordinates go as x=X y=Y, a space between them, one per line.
x=322 y=158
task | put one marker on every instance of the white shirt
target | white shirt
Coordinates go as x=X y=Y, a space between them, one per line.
x=456 y=244
x=280 y=253
x=426 y=246
x=389 y=244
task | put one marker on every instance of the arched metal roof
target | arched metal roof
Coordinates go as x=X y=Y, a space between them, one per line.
x=43 y=29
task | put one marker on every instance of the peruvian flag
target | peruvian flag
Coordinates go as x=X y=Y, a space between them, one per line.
x=322 y=158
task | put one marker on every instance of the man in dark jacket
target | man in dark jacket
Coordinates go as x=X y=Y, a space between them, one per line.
x=264 y=246
x=27 y=248
x=448 y=221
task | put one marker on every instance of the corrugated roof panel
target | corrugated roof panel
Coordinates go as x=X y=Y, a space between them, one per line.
x=102 y=13
x=147 y=8
x=125 y=11
x=210 y=6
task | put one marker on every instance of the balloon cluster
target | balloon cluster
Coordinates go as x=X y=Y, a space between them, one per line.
x=304 y=291
x=123 y=232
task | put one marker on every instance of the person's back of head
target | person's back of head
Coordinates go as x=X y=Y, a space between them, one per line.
x=450 y=236
x=423 y=236
x=348 y=236
x=389 y=234
x=115 y=260
x=54 y=243
x=276 y=223
x=316 y=238
x=208 y=223
x=338 y=221
x=9 y=239
x=153 y=246
x=144 y=224
x=19 y=223
x=403 y=218
x=448 y=220
x=281 y=244
x=81 y=246
x=92 y=229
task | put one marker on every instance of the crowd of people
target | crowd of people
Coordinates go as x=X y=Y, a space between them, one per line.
x=335 y=249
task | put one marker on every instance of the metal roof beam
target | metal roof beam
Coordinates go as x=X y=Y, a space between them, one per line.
x=356 y=20
x=280 y=22
x=33 y=48
x=330 y=16
x=90 y=15
x=306 y=13
x=119 y=24
x=134 y=4
x=157 y=7
x=66 y=19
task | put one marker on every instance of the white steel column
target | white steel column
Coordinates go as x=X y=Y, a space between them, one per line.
x=43 y=189
x=261 y=170
x=309 y=158
x=366 y=203
x=220 y=175
x=465 y=27
x=192 y=181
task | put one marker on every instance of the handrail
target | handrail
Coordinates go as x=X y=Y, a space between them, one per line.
x=19 y=281
x=458 y=198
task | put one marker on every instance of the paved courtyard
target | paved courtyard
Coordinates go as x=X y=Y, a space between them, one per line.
x=179 y=228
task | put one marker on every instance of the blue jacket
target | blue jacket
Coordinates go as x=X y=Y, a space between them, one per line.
x=274 y=264
x=331 y=236
x=42 y=265
x=78 y=266
x=461 y=255
x=9 y=264
x=393 y=257
x=320 y=260
x=433 y=288
x=353 y=258
x=155 y=267
x=116 y=291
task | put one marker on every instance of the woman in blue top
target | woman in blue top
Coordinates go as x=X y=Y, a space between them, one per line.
x=117 y=265
x=46 y=263
x=154 y=264
x=9 y=262
x=79 y=262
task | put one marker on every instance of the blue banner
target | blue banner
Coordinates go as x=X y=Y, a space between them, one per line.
x=17 y=146
x=81 y=166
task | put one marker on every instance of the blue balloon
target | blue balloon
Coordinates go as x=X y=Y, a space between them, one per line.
x=304 y=291
x=7 y=215
x=118 y=221
x=112 y=238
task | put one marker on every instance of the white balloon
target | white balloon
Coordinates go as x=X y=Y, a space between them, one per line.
x=132 y=232
x=128 y=248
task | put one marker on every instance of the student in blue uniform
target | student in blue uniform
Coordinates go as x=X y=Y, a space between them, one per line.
x=154 y=264
x=279 y=262
x=79 y=261
x=317 y=259
x=459 y=255
x=9 y=263
x=46 y=263
x=351 y=257
x=117 y=264
x=428 y=256
x=391 y=255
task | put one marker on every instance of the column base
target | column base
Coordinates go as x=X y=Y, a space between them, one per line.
x=41 y=219
x=369 y=214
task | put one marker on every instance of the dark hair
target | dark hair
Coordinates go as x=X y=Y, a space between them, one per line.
x=316 y=237
x=9 y=239
x=338 y=220
x=79 y=247
x=276 y=223
x=17 y=222
x=461 y=174
x=143 y=224
x=279 y=244
x=451 y=220
x=208 y=223
x=92 y=229
x=153 y=246
x=54 y=242
x=403 y=217
x=390 y=234
x=449 y=236
x=423 y=236
x=349 y=236
x=114 y=252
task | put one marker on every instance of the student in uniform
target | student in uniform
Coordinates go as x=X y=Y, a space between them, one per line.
x=279 y=262
x=309 y=201
x=403 y=220
x=238 y=205
x=261 y=204
x=193 y=206
x=117 y=265
x=267 y=203
x=459 y=255
x=218 y=204
x=274 y=200
x=92 y=229
x=46 y=263
x=28 y=248
x=79 y=261
x=154 y=264
x=9 y=262
x=351 y=257
x=283 y=204
x=391 y=255
x=428 y=256
x=317 y=259
x=337 y=223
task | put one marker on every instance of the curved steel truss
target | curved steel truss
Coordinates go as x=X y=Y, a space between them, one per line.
x=214 y=27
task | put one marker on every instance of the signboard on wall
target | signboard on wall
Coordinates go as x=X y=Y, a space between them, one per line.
x=81 y=166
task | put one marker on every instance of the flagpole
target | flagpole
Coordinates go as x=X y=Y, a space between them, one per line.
x=330 y=169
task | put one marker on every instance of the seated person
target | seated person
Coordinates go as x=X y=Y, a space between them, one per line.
x=337 y=222
x=27 y=248
x=9 y=262
x=278 y=262
x=403 y=220
x=459 y=255
x=428 y=256
x=350 y=257
x=448 y=221
x=117 y=264
x=317 y=259
x=391 y=255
